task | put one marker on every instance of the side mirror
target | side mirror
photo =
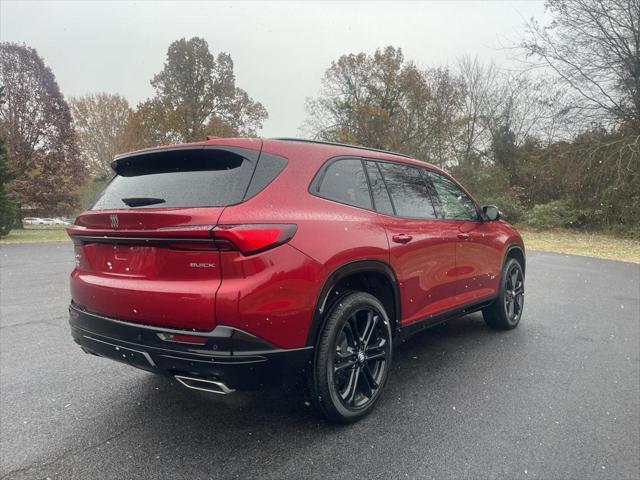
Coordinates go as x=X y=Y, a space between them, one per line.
x=491 y=212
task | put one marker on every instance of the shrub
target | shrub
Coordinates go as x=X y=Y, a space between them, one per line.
x=489 y=184
x=7 y=215
x=555 y=214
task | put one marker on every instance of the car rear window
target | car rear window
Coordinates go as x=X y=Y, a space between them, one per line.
x=183 y=178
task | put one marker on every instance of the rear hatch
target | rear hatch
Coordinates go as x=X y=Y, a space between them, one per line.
x=144 y=252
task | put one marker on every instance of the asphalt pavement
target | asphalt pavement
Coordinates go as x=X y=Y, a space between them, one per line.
x=557 y=398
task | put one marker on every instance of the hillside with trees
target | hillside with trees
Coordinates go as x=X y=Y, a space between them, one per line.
x=554 y=144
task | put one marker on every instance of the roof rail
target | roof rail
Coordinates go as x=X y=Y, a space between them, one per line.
x=307 y=140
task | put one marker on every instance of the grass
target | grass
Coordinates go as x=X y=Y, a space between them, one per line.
x=589 y=244
x=36 y=234
x=561 y=241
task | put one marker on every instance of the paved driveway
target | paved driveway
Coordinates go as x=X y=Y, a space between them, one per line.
x=556 y=398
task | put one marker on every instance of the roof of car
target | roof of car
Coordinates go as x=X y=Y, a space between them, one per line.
x=337 y=144
x=286 y=146
x=329 y=149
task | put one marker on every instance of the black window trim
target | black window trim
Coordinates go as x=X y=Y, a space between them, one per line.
x=433 y=194
x=366 y=174
x=386 y=187
x=248 y=154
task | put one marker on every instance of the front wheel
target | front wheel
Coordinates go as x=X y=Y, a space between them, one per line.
x=352 y=358
x=505 y=312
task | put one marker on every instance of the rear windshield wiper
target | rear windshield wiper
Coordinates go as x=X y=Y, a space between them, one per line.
x=142 y=201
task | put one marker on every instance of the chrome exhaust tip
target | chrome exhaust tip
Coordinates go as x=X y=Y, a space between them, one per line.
x=201 y=384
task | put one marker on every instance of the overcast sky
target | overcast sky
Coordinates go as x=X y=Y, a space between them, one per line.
x=280 y=50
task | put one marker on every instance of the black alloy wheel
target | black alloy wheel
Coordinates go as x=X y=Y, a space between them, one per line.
x=352 y=358
x=360 y=360
x=514 y=293
x=506 y=311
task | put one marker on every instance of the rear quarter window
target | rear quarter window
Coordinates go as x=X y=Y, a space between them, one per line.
x=344 y=181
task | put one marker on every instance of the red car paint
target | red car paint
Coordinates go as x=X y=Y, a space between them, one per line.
x=146 y=275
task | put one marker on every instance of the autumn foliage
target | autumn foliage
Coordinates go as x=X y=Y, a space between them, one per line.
x=195 y=95
x=102 y=124
x=554 y=143
x=36 y=124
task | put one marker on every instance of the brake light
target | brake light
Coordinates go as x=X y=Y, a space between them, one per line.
x=181 y=338
x=253 y=238
x=78 y=251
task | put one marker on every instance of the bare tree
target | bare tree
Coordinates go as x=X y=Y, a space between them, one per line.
x=478 y=81
x=594 y=47
x=496 y=100
x=101 y=121
x=383 y=101
x=443 y=115
x=529 y=107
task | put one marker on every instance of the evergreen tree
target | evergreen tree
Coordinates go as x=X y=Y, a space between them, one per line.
x=7 y=204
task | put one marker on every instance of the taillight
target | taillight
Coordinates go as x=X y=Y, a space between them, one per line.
x=253 y=238
x=181 y=338
x=78 y=251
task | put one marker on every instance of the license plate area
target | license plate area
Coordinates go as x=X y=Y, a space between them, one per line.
x=122 y=259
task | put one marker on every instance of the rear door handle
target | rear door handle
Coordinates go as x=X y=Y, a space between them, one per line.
x=463 y=236
x=402 y=238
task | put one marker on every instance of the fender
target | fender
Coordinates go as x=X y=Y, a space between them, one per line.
x=510 y=248
x=342 y=272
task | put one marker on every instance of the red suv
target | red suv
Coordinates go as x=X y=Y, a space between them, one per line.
x=232 y=264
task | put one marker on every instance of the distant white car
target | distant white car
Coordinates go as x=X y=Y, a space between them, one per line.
x=31 y=220
x=60 y=221
x=47 y=221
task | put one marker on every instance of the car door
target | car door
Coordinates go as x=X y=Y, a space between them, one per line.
x=478 y=256
x=422 y=252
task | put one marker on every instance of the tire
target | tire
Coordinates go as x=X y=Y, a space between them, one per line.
x=350 y=370
x=505 y=312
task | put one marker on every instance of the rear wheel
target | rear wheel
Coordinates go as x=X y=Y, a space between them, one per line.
x=352 y=358
x=506 y=311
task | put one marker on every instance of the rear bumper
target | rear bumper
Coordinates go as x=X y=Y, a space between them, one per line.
x=232 y=357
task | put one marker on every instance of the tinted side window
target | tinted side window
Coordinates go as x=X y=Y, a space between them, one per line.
x=379 y=189
x=268 y=168
x=344 y=181
x=408 y=191
x=456 y=205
